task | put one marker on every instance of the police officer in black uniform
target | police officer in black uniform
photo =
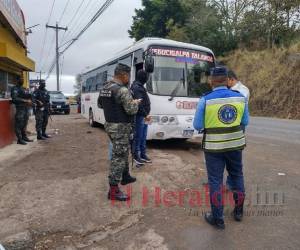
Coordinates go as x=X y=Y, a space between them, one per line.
x=22 y=101
x=41 y=99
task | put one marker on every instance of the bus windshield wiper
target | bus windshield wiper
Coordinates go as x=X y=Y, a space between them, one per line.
x=176 y=89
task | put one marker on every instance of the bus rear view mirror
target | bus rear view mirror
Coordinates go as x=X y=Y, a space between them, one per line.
x=149 y=64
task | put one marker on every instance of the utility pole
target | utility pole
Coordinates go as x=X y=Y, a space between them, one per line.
x=57 y=28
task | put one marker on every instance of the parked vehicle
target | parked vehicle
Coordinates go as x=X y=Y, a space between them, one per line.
x=58 y=102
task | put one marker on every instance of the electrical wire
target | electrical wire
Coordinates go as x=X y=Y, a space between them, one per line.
x=46 y=33
x=53 y=39
x=85 y=13
x=49 y=51
x=64 y=11
x=95 y=17
x=51 y=68
x=72 y=19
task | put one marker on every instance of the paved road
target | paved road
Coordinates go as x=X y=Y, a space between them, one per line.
x=275 y=129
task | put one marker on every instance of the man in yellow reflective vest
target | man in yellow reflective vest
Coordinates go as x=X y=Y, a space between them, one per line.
x=221 y=114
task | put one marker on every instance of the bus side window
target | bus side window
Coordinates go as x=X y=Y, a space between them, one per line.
x=126 y=60
x=138 y=57
x=111 y=70
x=104 y=77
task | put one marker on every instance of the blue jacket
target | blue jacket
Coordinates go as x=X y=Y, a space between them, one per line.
x=219 y=92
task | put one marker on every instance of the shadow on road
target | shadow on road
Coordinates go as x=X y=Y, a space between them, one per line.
x=174 y=144
x=171 y=144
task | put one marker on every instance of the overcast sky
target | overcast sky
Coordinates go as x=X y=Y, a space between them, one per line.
x=105 y=37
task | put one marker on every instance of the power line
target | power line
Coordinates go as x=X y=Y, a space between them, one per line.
x=66 y=6
x=60 y=18
x=51 y=68
x=73 y=17
x=95 y=17
x=49 y=51
x=85 y=13
x=77 y=11
x=57 y=29
x=46 y=32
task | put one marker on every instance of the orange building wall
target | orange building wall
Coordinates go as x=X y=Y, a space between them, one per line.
x=7 y=134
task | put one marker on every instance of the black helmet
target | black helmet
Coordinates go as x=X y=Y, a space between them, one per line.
x=42 y=84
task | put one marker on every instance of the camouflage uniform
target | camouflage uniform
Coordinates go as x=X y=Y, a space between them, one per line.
x=119 y=134
x=41 y=99
x=19 y=95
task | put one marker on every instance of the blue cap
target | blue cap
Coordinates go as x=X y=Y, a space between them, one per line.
x=219 y=71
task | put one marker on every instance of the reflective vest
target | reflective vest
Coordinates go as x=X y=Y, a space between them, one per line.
x=223 y=131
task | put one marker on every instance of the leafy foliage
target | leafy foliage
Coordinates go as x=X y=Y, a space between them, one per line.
x=222 y=25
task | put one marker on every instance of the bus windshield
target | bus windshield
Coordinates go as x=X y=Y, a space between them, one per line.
x=179 y=76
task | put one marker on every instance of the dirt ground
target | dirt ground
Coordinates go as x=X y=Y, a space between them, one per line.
x=53 y=195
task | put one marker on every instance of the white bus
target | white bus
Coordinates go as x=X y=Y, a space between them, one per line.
x=179 y=76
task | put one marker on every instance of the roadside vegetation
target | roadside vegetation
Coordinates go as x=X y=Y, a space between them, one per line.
x=273 y=77
x=259 y=39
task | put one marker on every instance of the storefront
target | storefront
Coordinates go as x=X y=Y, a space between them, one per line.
x=13 y=62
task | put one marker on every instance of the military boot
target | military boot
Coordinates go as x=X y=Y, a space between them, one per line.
x=238 y=210
x=40 y=137
x=26 y=139
x=115 y=193
x=45 y=135
x=127 y=178
x=21 y=142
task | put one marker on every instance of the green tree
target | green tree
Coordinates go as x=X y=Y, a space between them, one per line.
x=222 y=25
x=205 y=27
x=155 y=18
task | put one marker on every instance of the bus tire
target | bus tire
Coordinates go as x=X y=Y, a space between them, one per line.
x=91 y=119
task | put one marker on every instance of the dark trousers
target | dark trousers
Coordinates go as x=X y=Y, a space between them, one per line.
x=140 y=136
x=41 y=118
x=21 y=121
x=215 y=164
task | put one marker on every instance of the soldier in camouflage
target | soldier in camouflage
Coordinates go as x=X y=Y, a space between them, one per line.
x=41 y=100
x=22 y=101
x=119 y=108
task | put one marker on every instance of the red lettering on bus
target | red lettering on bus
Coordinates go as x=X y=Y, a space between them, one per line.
x=186 y=105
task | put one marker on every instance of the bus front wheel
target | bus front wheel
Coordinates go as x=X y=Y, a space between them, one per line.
x=91 y=119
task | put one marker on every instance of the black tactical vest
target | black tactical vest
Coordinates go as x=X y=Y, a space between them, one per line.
x=18 y=93
x=111 y=104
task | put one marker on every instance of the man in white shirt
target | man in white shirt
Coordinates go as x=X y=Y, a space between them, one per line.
x=236 y=85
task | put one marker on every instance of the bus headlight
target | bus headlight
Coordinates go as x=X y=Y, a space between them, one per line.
x=164 y=119
x=172 y=119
